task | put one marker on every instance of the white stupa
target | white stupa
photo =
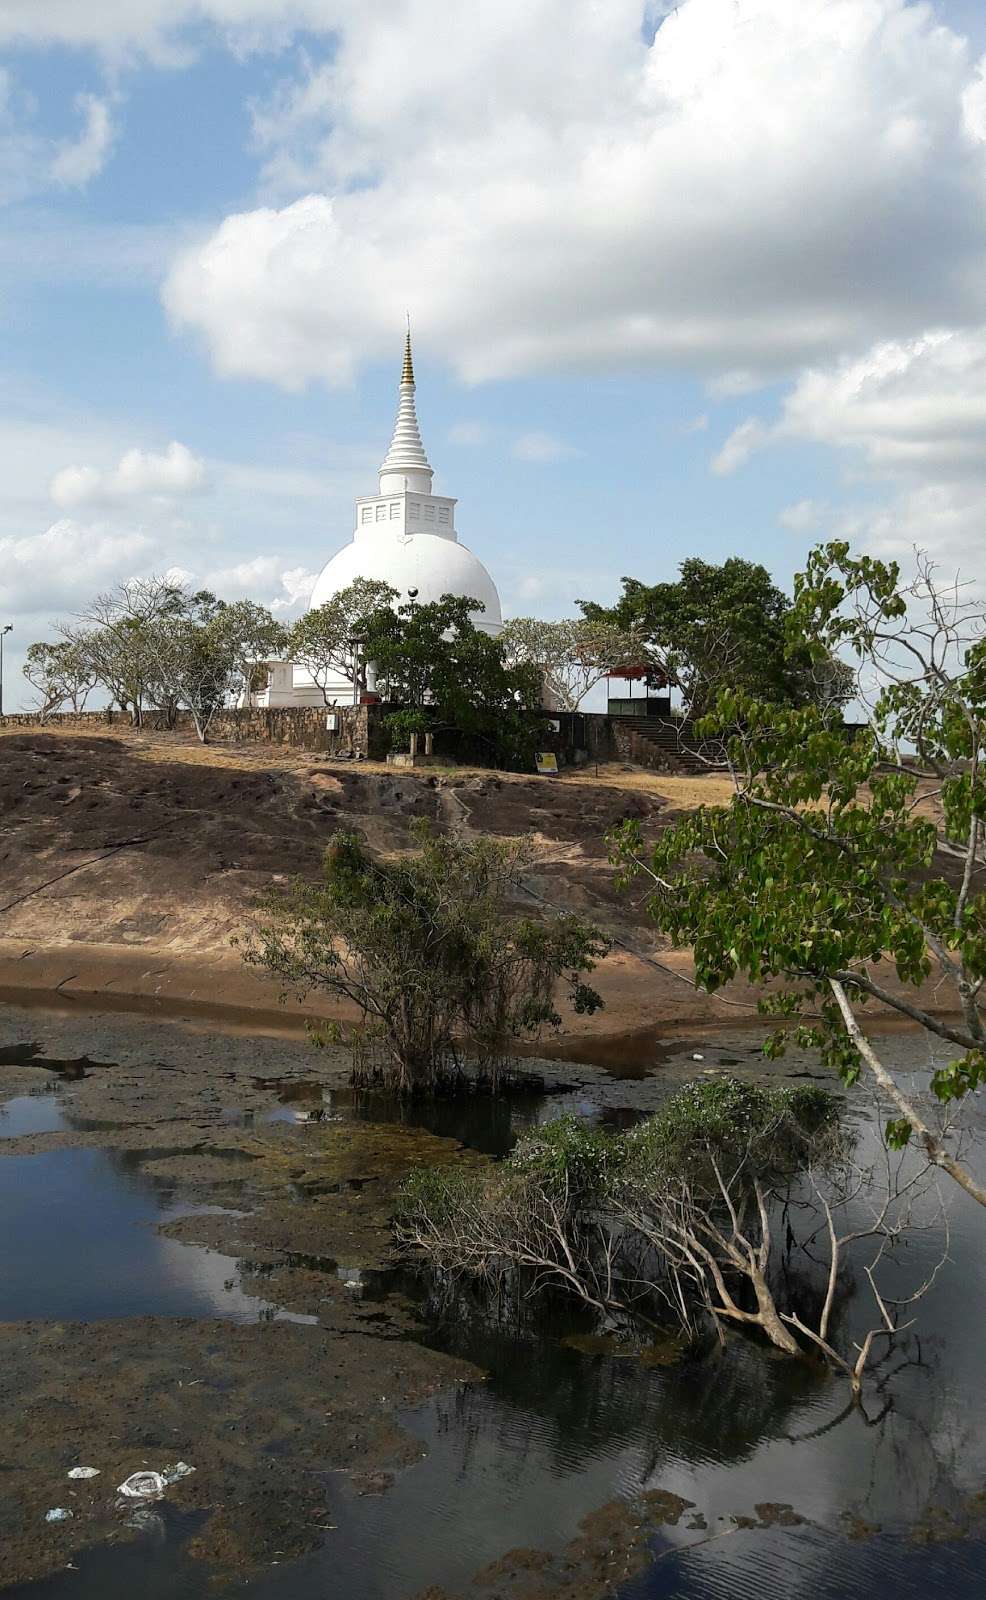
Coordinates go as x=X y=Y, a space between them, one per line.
x=404 y=536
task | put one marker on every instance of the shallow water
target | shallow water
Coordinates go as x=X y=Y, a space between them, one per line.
x=557 y=1431
x=488 y=1123
x=79 y=1242
x=32 y=1113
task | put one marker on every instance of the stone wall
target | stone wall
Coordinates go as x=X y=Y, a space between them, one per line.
x=96 y=721
x=358 y=731
x=632 y=746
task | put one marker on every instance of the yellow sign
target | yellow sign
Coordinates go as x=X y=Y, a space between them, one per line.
x=546 y=761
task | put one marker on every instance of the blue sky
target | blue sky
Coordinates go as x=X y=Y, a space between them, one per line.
x=709 y=282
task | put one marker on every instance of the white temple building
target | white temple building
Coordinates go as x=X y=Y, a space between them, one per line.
x=405 y=536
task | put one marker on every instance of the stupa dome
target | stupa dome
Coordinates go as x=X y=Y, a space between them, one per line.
x=427 y=562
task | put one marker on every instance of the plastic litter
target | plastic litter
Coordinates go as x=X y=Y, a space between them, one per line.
x=142 y=1485
x=697 y=1057
x=84 y=1472
x=58 y=1514
x=148 y=1485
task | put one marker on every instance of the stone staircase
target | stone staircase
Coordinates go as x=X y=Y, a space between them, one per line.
x=667 y=745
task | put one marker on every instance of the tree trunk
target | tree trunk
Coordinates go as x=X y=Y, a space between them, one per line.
x=770 y=1321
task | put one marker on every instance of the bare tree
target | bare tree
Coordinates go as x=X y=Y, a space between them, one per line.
x=571 y=656
x=60 y=674
x=117 y=638
x=691 y=1213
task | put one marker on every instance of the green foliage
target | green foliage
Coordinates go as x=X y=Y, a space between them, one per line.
x=686 y=1194
x=425 y=948
x=401 y=724
x=567 y=1155
x=434 y=654
x=722 y=627
x=60 y=673
x=332 y=639
x=774 y=1131
x=826 y=862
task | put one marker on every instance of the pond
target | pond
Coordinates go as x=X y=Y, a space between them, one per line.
x=883 y=1498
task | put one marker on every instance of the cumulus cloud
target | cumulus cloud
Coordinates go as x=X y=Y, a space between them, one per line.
x=156 y=26
x=916 y=406
x=57 y=570
x=541 y=448
x=263 y=578
x=763 y=186
x=909 y=418
x=77 y=161
x=138 y=473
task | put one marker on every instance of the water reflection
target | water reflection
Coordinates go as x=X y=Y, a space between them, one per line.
x=40 y=1112
x=79 y=1242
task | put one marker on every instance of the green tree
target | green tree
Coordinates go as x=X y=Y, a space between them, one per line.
x=839 y=857
x=331 y=639
x=254 y=636
x=423 y=945
x=720 y=628
x=434 y=655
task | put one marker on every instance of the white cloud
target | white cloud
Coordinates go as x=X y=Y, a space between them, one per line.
x=697 y=424
x=909 y=419
x=58 y=570
x=264 y=579
x=31 y=162
x=742 y=443
x=765 y=186
x=910 y=406
x=802 y=517
x=542 y=448
x=78 y=161
x=139 y=473
x=155 y=26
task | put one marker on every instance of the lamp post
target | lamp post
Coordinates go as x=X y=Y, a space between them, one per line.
x=412 y=598
x=355 y=645
x=3 y=633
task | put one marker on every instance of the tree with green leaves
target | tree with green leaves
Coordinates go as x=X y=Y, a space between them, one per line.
x=723 y=628
x=434 y=655
x=842 y=858
x=425 y=948
x=60 y=674
x=571 y=656
x=331 y=639
x=254 y=636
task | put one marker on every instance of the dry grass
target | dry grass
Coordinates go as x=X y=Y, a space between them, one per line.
x=683 y=793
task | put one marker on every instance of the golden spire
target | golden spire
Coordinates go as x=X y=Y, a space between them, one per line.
x=407 y=375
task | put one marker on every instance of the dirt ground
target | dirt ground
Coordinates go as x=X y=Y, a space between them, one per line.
x=128 y=861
